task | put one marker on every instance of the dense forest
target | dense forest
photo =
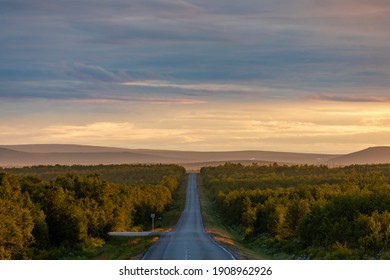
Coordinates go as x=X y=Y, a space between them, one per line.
x=78 y=205
x=116 y=173
x=307 y=212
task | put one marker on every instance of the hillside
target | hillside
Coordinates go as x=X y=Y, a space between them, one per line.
x=372 y=155
x=25 y=155
x=10 y=157
x=19 y=155
x=62 y=148
x=13 y=157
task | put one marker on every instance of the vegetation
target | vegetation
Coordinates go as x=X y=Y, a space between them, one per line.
x=306 y=211
x=43 y=219
x=121 y=173
x=222 y=233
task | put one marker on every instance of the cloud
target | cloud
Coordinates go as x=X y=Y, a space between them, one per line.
x=91 y=91
x=140 y=31
x=352 y=98
x=349 y=21
x=294 y=43
x=202 y=87
x=309 y=126
x=172 y=101
x=347 y=8
x=103 y=129
x=118 y=133
x=92 y=73
x=93 y=8
x=148 y=100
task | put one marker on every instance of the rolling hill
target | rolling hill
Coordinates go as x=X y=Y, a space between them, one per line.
x=51 y=154
x=372 y=155
x=14 y=157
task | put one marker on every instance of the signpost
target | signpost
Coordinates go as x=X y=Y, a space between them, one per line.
x=152 y=216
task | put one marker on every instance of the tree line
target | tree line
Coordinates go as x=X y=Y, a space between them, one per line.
x=307 y=211
x=75 y=212
x=115 y=173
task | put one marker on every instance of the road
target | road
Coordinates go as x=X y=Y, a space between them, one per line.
x=188 y=240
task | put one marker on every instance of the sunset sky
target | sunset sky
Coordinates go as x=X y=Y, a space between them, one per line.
x=278 y=75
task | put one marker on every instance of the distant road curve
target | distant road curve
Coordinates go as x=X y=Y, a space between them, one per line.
x=188 y=240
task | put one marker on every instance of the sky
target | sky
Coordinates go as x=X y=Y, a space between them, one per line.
x=205 y=75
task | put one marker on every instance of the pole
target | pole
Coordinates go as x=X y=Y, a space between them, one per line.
x=153 y=216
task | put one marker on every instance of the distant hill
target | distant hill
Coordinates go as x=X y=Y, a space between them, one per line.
x=372 y=155
x=62 y=148
x=27 y=155
x=17 y=158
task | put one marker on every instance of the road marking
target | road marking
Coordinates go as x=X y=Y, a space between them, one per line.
x=188 y=253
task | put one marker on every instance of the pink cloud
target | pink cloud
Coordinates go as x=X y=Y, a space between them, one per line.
x=351 y=98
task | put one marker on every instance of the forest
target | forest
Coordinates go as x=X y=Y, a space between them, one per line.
x=46 y=209
x=306 y=212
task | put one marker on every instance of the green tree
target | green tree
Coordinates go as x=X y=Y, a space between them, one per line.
x=16 y=221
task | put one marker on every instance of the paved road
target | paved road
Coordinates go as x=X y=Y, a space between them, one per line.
x=188 y=240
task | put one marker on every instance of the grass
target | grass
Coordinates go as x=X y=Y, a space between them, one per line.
x=230 y=238
x=115 y=248
x=123 y=248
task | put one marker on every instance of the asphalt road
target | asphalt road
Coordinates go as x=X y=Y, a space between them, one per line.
x=188 y=240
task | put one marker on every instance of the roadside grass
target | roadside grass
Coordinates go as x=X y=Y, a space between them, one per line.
x=115 y=248
x=124 y=248
x=229 y=237
x=175 y=209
